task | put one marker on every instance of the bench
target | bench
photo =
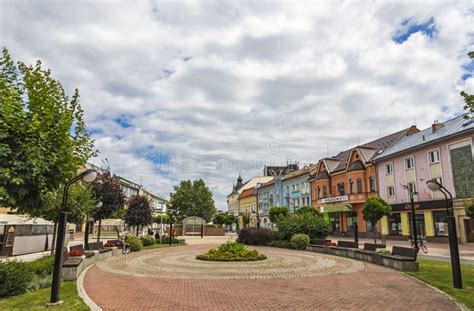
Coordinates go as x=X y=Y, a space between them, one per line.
x=347 y=244
x=319 y=242
x=71 y=266
x=81 y=248
x=373 y=247
x=99 y=246
x=403 y=253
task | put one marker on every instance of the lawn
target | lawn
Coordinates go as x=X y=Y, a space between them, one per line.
x=438 y=274
x=37 y=300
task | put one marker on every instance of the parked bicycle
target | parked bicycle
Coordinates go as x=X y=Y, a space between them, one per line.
x=421 y=244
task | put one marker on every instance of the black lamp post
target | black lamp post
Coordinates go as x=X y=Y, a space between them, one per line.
x=413 y=218
x=258 y=214
x=87 y=176
x=434 y=185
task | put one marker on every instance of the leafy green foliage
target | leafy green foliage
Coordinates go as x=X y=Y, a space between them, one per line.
x=191 y=198
x=43 y=266
x=254 y=236
x=231 y=251
x=307 y=209
x=138 y=213
x=469 y=98
x=309 y=223
x=470 y=211
x=134 y=242
x=147 y=240
x=224 y=219
x=157 y=219
x=278 y=211
x=300 y=240
x=374 y=209
x=43 y=138
x=166 y=240
x=15 y=277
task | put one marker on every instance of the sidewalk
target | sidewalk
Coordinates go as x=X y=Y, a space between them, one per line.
x=436 y=251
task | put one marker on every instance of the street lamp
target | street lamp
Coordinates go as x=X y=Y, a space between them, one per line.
x=413 y=218
x=258 y=215
x=87 y=176
x=161 y=222
x=434 y=185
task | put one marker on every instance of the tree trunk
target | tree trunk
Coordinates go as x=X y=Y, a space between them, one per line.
x=53 y=244
x=99 y=230
x=375 y=233
x=138 y=228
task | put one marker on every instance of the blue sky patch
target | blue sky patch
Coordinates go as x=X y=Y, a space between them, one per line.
x=123 y=121
x=158 y=158
x=408 y=27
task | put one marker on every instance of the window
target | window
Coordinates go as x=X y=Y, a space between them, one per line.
x=390 y=191
x=372 y=183
x=351 y=185
x=319 y=192
x=433 y=156
x=411 y=187
x=359 y=185
x=388 y=168
x=440 y=223
x=325 y=192
x=409 y=163
x=351 y=220
x=395 y=224
x=340 y=188
x=368 y=226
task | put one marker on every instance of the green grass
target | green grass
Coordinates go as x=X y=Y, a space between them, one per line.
x=438 y=274
x=37 y=300
x=159 y=246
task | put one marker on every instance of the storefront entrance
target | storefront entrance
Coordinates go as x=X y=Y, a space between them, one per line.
x=420 y=224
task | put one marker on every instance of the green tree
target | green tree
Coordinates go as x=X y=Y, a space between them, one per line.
x=230 y=219
x=157 y=219
x=470 y=210
x=191 y=198
x=307 y=209
x=43 y=138
x=469 y=98
x=138 y=213
x=373 y=210
x=277 y=212
x=220 y=219
x=108 y=192
x=308 y=223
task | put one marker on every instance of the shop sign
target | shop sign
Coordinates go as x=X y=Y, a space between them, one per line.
x=408 y=206
x=340 y=198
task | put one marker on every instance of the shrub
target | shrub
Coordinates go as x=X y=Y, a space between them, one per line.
x=76 y=253
x=135 y=243
x=283 y=244
x=254 y=236
x=231 y=251
x=300 y=240
x=277 y=212
x=308 y=223
x=43 y=266
x=166 y=240
x=148 y=240
x=14 y=277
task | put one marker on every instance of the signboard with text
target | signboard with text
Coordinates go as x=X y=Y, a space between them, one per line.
x=340 y=198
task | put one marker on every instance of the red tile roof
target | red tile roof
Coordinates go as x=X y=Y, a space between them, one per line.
x=247 y=193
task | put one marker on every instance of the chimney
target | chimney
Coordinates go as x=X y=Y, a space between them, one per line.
x=436 y=126
x=412 y=130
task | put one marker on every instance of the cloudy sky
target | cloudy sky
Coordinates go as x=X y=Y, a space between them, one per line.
x=175 y=91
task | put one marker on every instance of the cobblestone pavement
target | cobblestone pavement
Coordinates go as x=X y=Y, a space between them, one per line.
x=173 y=279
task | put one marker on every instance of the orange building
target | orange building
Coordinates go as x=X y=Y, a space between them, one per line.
x=342 y=183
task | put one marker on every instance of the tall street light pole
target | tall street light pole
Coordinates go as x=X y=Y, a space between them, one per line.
x=434 y=185
x=161 y=223
x=413 y=218
x=258 y=215
x=87 y=176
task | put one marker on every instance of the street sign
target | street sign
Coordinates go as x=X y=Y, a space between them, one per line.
x=408 y=206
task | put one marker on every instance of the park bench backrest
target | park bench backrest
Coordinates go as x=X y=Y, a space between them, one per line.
x=95 y=246
x=319 y=241
x=79 y=247
x=373 y=247
x=65 y=254
x=347 y=244
x=404 y=251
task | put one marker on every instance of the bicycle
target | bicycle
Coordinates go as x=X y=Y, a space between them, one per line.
x=421 y=244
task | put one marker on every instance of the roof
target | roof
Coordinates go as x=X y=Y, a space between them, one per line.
x=247 y=193
x=304 y=171
x=455 y=126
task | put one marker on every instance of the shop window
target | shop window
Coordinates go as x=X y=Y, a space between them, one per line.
x=351 y=185
x=372 y=183
x=368 y=226
x=359 y=185
x=395 y=224
x=420 y=224
x=441 y=223
x=351 y=220
x=334 y=219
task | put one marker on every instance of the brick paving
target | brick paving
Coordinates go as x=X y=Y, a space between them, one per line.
x=288 y=280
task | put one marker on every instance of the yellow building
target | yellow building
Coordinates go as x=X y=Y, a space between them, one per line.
x=247 y=207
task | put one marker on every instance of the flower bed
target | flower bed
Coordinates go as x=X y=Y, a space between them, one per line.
x=231 y=251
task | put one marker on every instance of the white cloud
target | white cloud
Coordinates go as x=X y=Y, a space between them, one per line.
x=210 y=89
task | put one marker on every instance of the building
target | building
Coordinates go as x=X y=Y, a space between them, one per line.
x=444 y=152
x=248 y=207
x=267 y=198
x=340 y=185
x=279 y=170
x=158 y=203
x=233 y=198
x=295 y=188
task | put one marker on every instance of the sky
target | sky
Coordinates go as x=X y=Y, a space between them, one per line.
x=186 y=90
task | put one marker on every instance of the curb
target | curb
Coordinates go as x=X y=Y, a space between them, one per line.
x=82 y=291
x=460 y=305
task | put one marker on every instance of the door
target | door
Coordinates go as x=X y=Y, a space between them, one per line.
x=469 y=227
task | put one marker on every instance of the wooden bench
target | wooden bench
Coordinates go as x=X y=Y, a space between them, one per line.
x=373 y=247
x=319 y=242
x=402 y=253
x=347 y=244
x=99 y=246
x=81 y=247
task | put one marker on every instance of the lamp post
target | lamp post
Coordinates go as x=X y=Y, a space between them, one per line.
x=258 y=215
x=161 y=223
x=413 y=218
x=87 y=176
x=89 y=219
x=434 y=185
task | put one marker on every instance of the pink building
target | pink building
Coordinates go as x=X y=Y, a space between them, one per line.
x=444 y=152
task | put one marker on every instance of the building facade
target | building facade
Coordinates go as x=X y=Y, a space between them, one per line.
x=296 y=190
x=443 y=152
x=340 y=185
x=248 y=207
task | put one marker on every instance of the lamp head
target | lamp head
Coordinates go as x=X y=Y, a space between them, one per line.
x=433 y=185
x=89 y=175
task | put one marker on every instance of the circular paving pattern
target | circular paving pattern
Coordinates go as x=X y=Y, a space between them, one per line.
x=182 y=264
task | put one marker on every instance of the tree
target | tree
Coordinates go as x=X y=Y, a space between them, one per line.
x=308 y=223
x=230 y=219
x=138 y=213
x=277 y=212
x=307 y=209
x=191 y=198
x=157 y=219
x=470 y=211
x=469 y=98
x=108 y=192
x=43 y=137
x=373 y=210
x=220 y=219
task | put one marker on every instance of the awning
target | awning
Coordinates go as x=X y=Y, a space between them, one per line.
x=336 y=208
